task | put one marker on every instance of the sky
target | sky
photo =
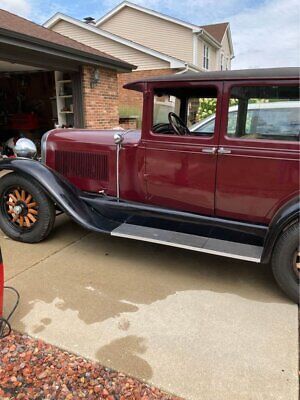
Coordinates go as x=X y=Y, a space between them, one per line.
x=266 y=33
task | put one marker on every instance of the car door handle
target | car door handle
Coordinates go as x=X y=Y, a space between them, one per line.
x=209 y=150
x=222 y=150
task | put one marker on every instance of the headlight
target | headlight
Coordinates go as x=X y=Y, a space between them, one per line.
x=25 y=148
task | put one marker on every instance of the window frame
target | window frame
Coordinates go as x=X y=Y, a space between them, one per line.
x=149 y=135
x=222 y=61
x=256 y=143
x=205 y=56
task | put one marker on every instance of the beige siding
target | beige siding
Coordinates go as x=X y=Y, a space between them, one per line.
x=212 y=55
x=156 y=33
x=226 y=49
x=125 y=53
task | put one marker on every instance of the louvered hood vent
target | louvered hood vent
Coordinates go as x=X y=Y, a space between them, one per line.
x=82 y=165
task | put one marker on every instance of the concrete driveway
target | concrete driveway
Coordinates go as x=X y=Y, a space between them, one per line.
x=198 y=326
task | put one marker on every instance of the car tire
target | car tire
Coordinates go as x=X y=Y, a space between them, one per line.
x=284 y=262
x=30 y=224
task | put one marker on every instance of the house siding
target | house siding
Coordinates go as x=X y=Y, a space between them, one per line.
x=226 y=49
x=132 y=56
x=161 y=35
x=213 y=62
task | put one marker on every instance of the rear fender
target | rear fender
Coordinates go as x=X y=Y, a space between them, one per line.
x=285 y=216
x=62 y=192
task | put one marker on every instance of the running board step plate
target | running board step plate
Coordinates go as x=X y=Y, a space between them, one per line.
x=218 y=247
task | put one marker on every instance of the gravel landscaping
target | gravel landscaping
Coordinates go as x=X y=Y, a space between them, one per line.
x=32 y=369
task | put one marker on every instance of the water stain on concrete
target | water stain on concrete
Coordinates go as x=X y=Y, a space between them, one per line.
x=135 y=273
x=124 y=355
x=42 y=325
x=124 y=324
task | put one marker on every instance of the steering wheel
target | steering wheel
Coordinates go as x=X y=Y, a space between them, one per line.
x=178 y=125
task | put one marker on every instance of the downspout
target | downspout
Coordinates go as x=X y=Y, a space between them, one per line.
x=195 y=47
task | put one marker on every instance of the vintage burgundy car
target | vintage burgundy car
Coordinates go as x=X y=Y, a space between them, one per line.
x=215 y=169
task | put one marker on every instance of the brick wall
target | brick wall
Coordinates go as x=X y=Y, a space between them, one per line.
x=128 y=123
x=130 y=102
x=100 y=104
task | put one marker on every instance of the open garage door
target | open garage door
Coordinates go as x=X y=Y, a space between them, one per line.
x=32 y=101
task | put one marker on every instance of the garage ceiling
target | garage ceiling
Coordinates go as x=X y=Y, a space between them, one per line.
x=13 y=67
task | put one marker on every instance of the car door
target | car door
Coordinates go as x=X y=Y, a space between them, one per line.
x=180 y=170
x=258 y=157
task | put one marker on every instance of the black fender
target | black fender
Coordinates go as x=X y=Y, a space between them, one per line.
x=62 y=192
x=285 y=216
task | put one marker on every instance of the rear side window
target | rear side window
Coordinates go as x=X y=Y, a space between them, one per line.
x=264 y=112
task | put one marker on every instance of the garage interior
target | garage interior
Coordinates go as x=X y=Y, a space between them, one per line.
x=41 y=79
x=32 y=101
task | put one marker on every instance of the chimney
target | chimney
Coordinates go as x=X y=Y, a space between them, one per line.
x=89 y=20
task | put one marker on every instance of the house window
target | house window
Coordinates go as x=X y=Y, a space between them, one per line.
x=206 y=57
x=227 y=63
x=222 y=61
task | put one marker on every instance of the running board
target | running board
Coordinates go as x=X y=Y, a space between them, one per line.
x=203 y=244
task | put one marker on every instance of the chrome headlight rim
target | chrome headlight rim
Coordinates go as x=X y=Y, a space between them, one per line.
x=25 y=148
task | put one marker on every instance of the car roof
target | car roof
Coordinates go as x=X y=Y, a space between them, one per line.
x=242 y=74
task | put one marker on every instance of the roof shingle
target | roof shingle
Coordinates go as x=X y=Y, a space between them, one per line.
x=217 y=31
x=13 y=23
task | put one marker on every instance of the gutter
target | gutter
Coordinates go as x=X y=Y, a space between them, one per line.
x=209 y=38
x=190 y=67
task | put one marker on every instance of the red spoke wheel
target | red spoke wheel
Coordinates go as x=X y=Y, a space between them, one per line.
x=22 y=209
x=27 y=213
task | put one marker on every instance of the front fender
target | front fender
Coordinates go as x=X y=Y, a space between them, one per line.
x=62 y=192
x=286 y=215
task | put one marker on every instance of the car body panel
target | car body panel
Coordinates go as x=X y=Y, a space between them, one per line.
x=179 y=174
x=65 y=150
x=258 y=176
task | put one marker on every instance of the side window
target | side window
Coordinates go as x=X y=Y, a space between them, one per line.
x=195 y=110
x=264 y=112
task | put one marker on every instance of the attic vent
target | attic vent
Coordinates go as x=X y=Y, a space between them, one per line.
x=82 y=165
x=89 y=20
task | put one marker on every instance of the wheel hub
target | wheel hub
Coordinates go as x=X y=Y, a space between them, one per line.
x=21 y=208
x=18 y=209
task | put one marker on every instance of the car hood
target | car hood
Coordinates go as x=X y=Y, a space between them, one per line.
x=94 y=136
